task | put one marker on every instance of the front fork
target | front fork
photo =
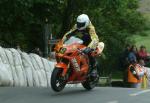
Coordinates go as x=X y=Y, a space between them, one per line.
x=64 y=68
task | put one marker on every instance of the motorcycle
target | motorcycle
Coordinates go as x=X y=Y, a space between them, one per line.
x=73 y=65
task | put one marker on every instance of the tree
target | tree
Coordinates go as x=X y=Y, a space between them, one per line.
x=115 y=20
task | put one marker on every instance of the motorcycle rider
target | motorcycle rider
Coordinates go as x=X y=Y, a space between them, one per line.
x=84 y=30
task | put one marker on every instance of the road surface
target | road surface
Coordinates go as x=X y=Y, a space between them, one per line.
x=74 y=95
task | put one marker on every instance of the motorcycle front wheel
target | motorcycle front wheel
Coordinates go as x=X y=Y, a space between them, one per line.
x=57 y=81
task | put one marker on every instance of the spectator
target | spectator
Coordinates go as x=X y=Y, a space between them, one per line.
x=131 y=57
x=141 y=62
x=18 y=48
x=37 y=51
x=135 y=74
x=133 y=54
x=143 y=54
x=144 y=83
x=124 y=62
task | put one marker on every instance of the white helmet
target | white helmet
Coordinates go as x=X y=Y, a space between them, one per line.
x=82 y=21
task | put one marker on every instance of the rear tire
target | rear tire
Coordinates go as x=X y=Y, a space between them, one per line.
x=57 y=82
x=91 y=81
x=87 y=85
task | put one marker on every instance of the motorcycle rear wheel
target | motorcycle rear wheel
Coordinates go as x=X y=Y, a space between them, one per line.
x=91 y=82
x=57 y=83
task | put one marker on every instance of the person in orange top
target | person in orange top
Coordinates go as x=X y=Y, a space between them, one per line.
x=135 y=73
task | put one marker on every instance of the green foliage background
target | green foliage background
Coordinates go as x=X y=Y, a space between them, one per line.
x=22 y=22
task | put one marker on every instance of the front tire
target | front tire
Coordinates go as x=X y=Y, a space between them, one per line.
x=57 y=81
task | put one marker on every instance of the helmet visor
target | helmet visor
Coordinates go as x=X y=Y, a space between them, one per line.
x=80 y=25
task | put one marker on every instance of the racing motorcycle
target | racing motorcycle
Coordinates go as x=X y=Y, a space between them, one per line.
x=73 y=65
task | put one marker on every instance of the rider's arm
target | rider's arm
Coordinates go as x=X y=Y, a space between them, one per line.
x=65 y=37
x=94 y=37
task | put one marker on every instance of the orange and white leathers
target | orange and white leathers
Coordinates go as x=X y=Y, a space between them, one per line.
x=139 y=72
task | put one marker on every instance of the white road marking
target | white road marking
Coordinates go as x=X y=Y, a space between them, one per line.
x=113 y=102
x=140 y=92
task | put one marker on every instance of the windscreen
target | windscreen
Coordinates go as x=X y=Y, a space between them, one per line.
x=73 y=40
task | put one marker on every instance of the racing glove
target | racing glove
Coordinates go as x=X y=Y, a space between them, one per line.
x=87 y=50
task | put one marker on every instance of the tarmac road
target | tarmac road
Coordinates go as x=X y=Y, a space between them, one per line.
x=74 y=95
